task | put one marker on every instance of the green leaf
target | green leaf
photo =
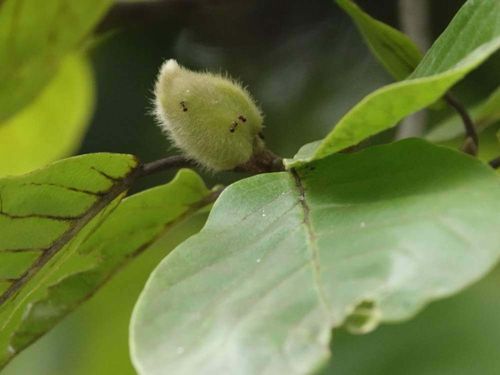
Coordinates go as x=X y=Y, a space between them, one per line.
x=484 y=114
x=395 y=50
x=285 y=257
x=52 y=126
x=128 y=231
x=472 y=36
x=44 y=216
x=34 y=39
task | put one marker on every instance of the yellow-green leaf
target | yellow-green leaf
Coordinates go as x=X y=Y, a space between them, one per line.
x=52 y=125
x=34 y=39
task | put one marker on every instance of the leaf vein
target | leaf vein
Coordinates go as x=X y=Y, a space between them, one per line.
x=312 y=242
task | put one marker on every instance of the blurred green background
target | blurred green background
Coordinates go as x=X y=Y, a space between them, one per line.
x=306 y=65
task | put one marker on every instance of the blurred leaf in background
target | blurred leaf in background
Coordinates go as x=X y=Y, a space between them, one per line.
x=35 y=38
x=52 y=125
x=47 y=85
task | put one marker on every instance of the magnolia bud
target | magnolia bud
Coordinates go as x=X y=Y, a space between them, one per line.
x=212 y=119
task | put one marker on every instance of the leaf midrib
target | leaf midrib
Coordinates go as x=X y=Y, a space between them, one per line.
x=312 y=245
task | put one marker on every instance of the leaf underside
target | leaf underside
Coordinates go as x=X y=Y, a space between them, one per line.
x=286 y=257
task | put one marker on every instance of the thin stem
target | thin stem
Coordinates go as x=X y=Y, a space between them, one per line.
x=170 y=162
x=471 y=138
x=495 y=163
x=263 y=162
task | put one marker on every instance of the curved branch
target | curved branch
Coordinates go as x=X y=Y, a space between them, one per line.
x=471 y=144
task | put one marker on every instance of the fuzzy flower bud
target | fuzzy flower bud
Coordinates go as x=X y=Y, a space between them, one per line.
x=212 y=119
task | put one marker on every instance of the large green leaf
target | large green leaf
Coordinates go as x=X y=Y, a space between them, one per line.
x=34 y=38
x=134 y=225
x=484 y=114
x=395 y=50
x=472 y=36
x=53 y=124
x=284 y=257
x=44 y=216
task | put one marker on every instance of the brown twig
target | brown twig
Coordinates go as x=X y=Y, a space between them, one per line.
x=471 y=143
x=263 y=162
x=170 y=162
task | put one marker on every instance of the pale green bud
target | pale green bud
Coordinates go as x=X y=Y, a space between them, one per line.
x=212 y=119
